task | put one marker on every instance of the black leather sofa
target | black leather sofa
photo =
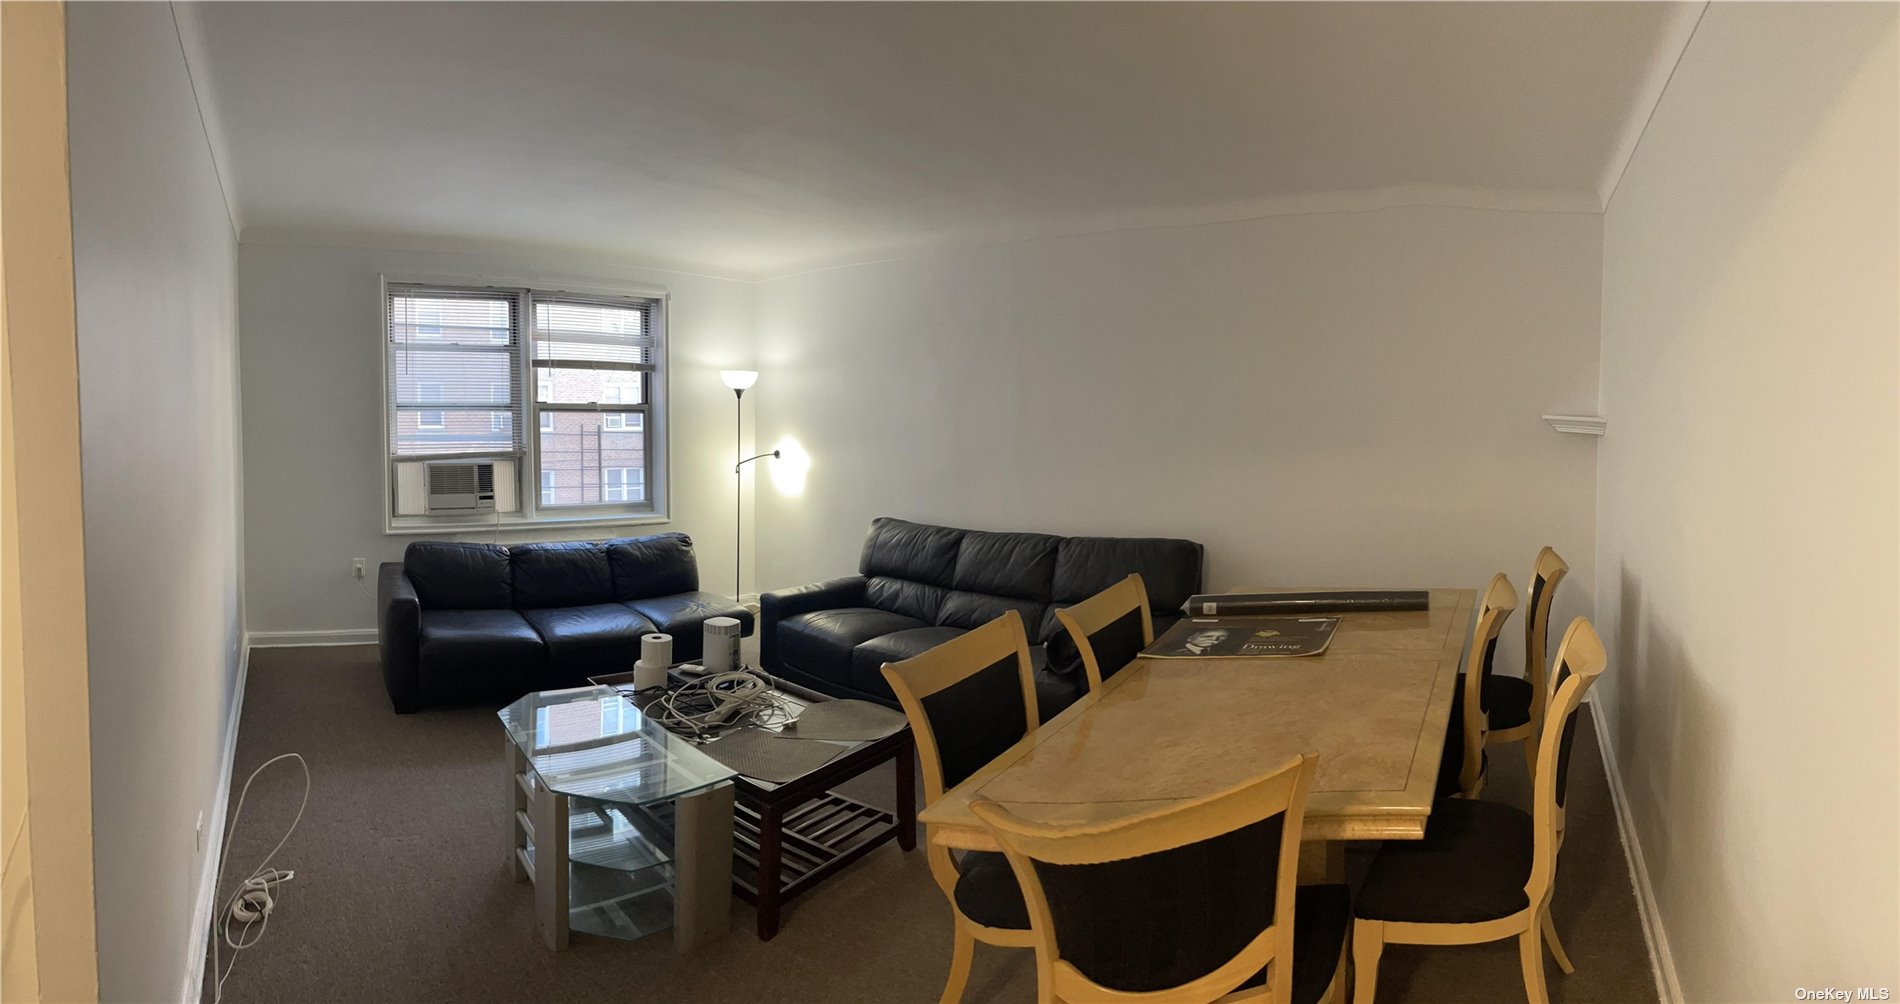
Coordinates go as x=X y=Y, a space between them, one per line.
x=919 y=585
x=464 y=622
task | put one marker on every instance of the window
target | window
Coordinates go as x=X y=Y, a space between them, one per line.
x=429 y=393
x=594 y=361
x=471 y=368
x=624 y=484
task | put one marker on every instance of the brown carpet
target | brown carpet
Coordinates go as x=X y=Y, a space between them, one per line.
x=400 y=893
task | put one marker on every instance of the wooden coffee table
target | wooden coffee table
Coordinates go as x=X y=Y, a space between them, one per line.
x=790 y=836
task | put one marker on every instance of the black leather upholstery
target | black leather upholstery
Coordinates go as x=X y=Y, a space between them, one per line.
x=988 y=893
x=457 y=576
x=921 y=600
x=684 y=616
x=948 y=577
x=562 y=574
x=477 y=655
x=482 y=622
x=644 y=567
x=868 y=659
x=398 y=634
x=588 y=641
x=1471 y=867
x=826 y=637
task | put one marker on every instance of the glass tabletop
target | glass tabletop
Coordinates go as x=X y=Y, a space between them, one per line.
x=591 y=742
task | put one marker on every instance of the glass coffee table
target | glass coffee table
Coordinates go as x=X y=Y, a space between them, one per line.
x=624 y=828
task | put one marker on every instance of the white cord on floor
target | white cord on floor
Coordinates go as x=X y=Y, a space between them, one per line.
x=251 y=903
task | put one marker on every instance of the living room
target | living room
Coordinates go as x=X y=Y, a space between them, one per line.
x=918 y=322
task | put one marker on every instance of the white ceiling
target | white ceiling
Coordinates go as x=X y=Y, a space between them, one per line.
x=756 y=139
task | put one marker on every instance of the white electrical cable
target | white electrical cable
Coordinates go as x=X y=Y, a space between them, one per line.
x=251 y=903
x=713 y=703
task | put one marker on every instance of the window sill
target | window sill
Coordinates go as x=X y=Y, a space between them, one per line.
x=402 y=526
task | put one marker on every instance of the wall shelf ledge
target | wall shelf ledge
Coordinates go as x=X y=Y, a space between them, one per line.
x=1581 y=425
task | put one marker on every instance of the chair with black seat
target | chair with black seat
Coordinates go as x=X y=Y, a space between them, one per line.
x=1516 y=705
x=969 y=700
x=1190 y=903
x=1485 y=870
x=1462 y=768
x=1110 y=629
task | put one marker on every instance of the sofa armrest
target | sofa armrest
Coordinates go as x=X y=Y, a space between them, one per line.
x=781 y=604
x=399 y=636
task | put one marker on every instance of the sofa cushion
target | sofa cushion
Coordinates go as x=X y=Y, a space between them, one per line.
x=972 y=610
x=868 y=659
x=560 y=574
x=587 y=640
x=901 y=549
x=1018 y=565
x=657 y=565
x=450 y=575
x=1170 y=569
x=912 y=599
x=477 y=654
x=684 y=615
x=821 y=642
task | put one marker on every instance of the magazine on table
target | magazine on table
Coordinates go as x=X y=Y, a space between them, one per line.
x=1244 y=638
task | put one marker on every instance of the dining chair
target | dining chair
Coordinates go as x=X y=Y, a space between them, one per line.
x=1186 y=904
x=968 y=700
x=1485 y=870
x=1110 y=629
x=1516 y=705
x=1462 y=767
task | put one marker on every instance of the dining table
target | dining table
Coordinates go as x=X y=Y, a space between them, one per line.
x=1374 y=706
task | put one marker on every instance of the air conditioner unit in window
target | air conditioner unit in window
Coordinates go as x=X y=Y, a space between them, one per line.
x=461 y=486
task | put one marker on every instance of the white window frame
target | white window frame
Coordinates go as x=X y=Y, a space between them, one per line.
x=632 y=482
x=441 y=417
x=650 y=510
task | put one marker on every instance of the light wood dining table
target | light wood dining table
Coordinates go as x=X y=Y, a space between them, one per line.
x=1374 y=706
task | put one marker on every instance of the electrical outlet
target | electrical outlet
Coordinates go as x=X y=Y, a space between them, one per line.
x=356 y=567
x=200 y=831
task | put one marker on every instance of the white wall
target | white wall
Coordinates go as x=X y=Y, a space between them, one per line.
x=311 y=319
x=1748 y=494
x=154 y=275
x=1328 y=399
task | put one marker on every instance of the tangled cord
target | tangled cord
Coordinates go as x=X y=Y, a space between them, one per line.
x=712 y=704
x=251 y=903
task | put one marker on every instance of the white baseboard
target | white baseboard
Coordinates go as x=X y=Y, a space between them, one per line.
x=193 y=990
x=1662 y=963
x=287 y=639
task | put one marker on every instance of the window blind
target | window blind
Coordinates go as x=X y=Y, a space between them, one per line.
x=454 y=356
x=593 y=360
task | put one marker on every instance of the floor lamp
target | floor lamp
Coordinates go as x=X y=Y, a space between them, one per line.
x=740 y=381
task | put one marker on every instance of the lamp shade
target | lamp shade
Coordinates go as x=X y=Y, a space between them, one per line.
x=739 y=379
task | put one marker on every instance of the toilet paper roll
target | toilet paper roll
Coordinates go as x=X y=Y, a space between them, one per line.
x=647 y=675
x=657 y=648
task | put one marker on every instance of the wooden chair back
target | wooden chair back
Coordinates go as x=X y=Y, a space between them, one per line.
x=968 y=700
x=1580 y=660
x=1110 y=629
x=1494 y=608
x=1549 y=570
x=1180 y=905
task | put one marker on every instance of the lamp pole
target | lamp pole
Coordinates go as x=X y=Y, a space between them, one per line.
x=739 y=381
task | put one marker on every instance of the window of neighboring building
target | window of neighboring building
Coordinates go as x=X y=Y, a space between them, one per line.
x=470 y=368
x=623 y=484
